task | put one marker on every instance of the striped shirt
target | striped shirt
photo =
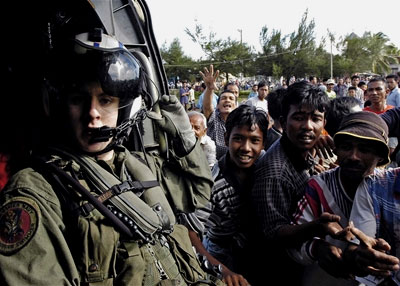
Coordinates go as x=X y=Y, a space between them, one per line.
x=324 y=193
x=226 y=216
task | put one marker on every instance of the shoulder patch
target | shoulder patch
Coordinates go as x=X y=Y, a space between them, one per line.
x=18 y=223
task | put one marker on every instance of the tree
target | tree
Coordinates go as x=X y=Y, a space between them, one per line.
x=381 y=53
x=230 y=56
x=369 y=53
x=176 y=63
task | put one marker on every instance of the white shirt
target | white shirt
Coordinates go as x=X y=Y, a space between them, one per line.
x=257 y=103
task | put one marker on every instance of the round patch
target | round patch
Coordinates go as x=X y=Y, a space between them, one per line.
x=18 y=224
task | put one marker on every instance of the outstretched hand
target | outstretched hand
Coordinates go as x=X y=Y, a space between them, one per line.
x=209 y=77
x=370 y=257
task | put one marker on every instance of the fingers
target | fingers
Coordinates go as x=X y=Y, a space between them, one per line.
x=362 y=237
x=382 y=245
x=328 y=217
x=235 y=280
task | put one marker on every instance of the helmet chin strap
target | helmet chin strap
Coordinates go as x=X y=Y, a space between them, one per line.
x=104 y=133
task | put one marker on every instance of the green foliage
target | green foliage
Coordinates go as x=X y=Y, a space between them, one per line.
x=176 y=63
x=229 y=56
x=295 y=54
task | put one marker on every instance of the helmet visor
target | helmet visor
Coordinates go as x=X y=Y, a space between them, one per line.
x=107 y=62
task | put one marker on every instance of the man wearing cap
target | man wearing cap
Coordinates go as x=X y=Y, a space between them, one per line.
x=330 y=84
x=361 y=146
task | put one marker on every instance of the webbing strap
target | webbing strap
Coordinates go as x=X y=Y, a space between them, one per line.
x=138 y=187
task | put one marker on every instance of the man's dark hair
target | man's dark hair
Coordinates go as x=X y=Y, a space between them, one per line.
x=231 y=83
x=304 y=93
x=378 y=78
x=352 y=88
x=355 y=76
x=274 y=100
x=311 y=77
x=338 y=108
x=203 y=85
x=394 y=76
x=225 y=91
x=246 y=115
x=261 y=84
x=361 y=83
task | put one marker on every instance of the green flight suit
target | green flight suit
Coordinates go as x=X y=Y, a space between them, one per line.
x=44 y=240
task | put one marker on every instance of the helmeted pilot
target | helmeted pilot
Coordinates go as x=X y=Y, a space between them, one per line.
x=88 y=212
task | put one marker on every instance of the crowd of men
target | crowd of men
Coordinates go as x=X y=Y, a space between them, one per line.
x=291 y=186
x=291 y=200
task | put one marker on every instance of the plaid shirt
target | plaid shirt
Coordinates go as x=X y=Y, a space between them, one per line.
x=280 y=181
x=216 y=130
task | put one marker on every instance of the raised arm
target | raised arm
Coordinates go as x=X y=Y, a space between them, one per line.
x=209 y=78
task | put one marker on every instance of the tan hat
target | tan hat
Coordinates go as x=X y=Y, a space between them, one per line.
x=330 y=81
x=368 y=126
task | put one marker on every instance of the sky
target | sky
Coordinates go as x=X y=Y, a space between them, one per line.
x=227 y=17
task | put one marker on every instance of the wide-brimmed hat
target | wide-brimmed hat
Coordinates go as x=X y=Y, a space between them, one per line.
x=368 y=126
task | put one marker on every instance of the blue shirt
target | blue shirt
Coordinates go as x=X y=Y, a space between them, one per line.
x=394 y=97
x=200 y=102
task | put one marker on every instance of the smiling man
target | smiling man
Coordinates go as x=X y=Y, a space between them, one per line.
x=282 y=175
x=216 y=118
x=227 y=215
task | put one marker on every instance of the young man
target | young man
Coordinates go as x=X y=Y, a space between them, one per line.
x=89 y=211
x=260 y=101
x=253 y=92
x=393 y=97
x=377 y=95
x=282 y=175
x=275 y=111
x=227 y=217
x=361 y=146
x=355 y=79
x=330 y=84
x=201 y=97
x=227 y=102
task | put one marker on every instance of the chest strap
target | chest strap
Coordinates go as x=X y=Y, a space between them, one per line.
x=138 y=187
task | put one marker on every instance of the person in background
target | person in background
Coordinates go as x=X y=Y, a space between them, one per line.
x=338 y=109
x=377 y=95
x=199 y=126
x=260 y=101
x=393 y=97
x=184 y=94
x=313 y=80
x=281 y=177
x=253 y=92
x=355 y=80
x=201 y=97
x=191 y=98
x=330 y=84
x=275 y=111
x=340 y=88
x=234 y=88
